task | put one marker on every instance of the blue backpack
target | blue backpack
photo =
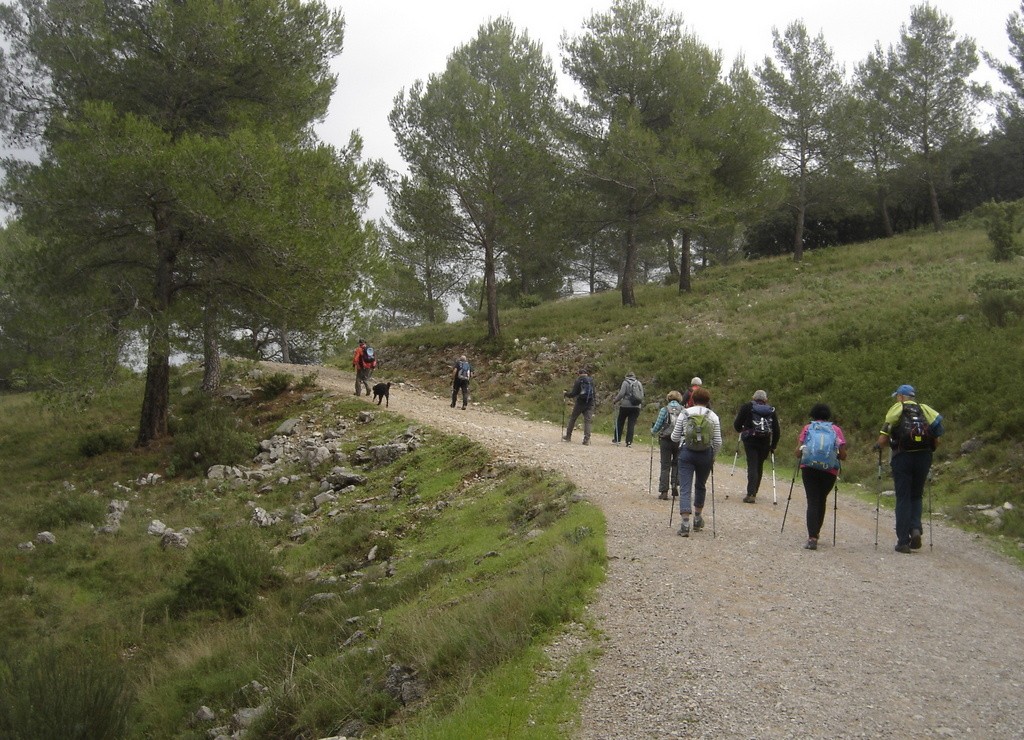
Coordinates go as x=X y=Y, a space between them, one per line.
x=821 y=447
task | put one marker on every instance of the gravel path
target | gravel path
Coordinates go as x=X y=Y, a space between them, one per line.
x=747 y=635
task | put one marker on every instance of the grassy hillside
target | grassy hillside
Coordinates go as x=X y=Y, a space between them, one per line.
x=420 y=597
x=846 y=326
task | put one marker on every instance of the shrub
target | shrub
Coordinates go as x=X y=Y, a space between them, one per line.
x=208 y=434
x=1001 y=226
x=68 y=508
x=98 y=443
x=307 y=382
x=276 y=384
x=226 y=575
x=59 y=692
x=999 y=297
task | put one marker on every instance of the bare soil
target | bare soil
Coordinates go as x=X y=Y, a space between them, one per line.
x=738 y=632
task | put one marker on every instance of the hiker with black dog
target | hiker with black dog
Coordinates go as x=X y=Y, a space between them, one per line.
x=758 y=426
x=911 y=430
x=364 y=361
x=699 y=434
x=662 y=427
x=462 y=371
x=630 y=399
x=585 y=403
x=820 y=448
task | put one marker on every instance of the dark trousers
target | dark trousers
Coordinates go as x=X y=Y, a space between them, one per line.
x=909 y=474
x=757 y=451
x=463 y=385
x=627 y=417
x=587 y=412
x=817 y=485
x=669 y=464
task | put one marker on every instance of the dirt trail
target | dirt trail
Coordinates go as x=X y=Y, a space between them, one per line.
x=746 y=635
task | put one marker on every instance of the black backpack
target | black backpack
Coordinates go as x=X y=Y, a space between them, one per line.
x=761 y=420
x=586 y=396
x=913 y=433
x=635 y=394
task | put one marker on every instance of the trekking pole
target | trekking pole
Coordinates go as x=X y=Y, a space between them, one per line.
x=775 y=496
x=928 y=482
x=713 y=532
x=835 y=510
x=650 y=473
x=878 y=501
x=671 y=508
x=563 y=415
x=786 y=513
x=735 y=456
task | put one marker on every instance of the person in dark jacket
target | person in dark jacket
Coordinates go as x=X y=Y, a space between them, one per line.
x=586 y=401
x=758 y=426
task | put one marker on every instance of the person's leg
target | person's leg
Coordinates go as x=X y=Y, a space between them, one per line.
x=357 y=381
x=465 y=392
x=588 y=422
x=817 y=484
x=922 y=463
x=617 y=428
x=664 y=463
x=631 y=416
x=702 y=469
x=573 y=415
x=903 y=481
x=455 y=392
x=675 y=467
x=686 y=470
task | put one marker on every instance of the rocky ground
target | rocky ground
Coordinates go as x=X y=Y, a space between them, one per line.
x=738 y=632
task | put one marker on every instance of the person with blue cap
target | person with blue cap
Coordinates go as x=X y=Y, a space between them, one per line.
x=911 y=430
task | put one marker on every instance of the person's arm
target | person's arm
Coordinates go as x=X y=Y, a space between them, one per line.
x=677 y=430
x=776 y=431
x=716 y=437
x=841 y=441
x=660 y=421
x=800 y=443
x=742 y=421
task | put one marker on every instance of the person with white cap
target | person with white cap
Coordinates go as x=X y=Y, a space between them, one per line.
x=758 y=426
x=911 y=430
x=695 y=383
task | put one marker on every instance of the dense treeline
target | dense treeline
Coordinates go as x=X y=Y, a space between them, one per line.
x=668 y=161
x=182 y=202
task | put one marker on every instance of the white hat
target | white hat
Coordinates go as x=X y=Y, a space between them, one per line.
x=696 y=381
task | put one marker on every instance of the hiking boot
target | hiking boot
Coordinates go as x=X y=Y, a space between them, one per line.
x=812 y=544
x=748 y=499
x=586 y=441
x=903 y=548
x=566 y=438
x=453 y=402
x=698 y=522
x=663 y=496
x=629 y=444
x=915 y=539
x=684 y=529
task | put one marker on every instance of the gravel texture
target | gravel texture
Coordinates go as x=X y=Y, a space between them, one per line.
x=738 y=632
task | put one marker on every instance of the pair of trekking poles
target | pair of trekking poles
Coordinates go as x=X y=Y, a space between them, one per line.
x=735 y=457
x=835 y=505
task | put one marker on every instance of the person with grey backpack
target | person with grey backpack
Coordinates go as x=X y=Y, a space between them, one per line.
x=662 y=427
x=630 y=399
x=699 y=434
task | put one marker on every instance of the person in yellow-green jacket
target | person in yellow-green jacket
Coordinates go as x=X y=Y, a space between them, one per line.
x=911 y=429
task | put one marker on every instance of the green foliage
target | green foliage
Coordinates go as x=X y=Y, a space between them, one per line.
x=208 y=433
x=1002 y=224
x=53 y=691
x=67 y=508
x=274 y=385
x=999 y=296
x=226 y=576
x=98 y=443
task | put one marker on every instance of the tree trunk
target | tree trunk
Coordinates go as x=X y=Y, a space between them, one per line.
x=491 y=287
x=286 y=350
x=673 y=270
x=211 y=352
x=684 y=264
x=798 y=239
x=933 y=199
x=156 y=396
x=883 y=209
x=628 y=268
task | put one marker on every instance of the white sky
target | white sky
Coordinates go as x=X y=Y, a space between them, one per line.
x=390 y=44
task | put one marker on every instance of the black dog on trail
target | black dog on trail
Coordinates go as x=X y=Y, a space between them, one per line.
x=382 y=392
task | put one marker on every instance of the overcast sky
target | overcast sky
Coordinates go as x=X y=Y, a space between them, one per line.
x=390 y=44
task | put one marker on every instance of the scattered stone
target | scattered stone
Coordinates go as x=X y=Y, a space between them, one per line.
x=46 y=538
x=26 y=546
x=204 y=714
x=261 y=518
x=173 y=540
x=288 y=427
x=156 y=527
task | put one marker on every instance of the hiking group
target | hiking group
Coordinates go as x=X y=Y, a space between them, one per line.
x=689 y=438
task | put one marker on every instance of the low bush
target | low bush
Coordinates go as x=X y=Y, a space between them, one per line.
x=226 y=575
x=98 y=443
x=208 y=434
x=67 y=508
x=63 y=692
x=275 y=385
